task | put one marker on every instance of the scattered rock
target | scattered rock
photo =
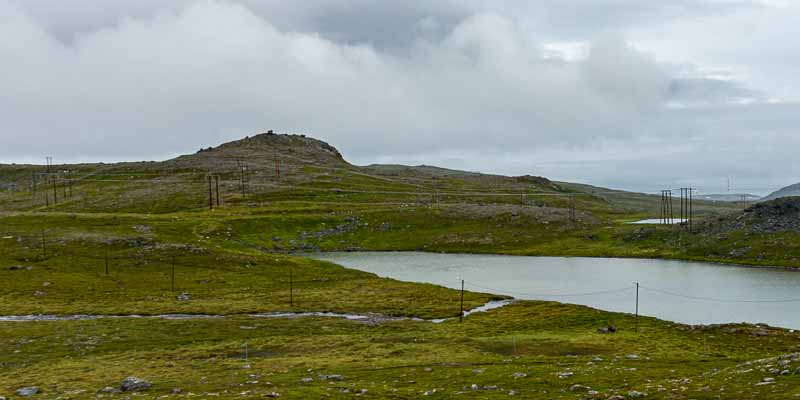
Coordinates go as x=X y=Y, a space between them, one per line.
x=512 y=392
x=109 y=389
x=580 y=388
x=272 y=395
x=632 y=356
x=307 y=380
x=133 y=384
x=633 y=394
x=183 y=297
x=474 y=387
x=20 y=268
x=332 y=377
x=27 y=391
x=566 y=374
x=518 y=375
x=607 y=329
x=39 y=293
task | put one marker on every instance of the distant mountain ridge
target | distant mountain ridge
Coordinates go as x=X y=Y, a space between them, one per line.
x=791 y=190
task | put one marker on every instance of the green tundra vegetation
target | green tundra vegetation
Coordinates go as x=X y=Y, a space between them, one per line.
x=183 y=266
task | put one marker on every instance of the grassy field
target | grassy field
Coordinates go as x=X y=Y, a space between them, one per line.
x=116 y=240
x=531 y=350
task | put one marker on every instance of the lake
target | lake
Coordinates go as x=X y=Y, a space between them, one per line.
x=681 y=291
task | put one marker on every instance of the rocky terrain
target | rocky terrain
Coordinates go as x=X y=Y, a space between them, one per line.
x=779 y=215
x=791 y=190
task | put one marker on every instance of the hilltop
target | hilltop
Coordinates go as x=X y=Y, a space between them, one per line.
x=260 y=168
x=791 y=190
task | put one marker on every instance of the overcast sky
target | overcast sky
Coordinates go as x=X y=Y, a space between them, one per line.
x=632 y=94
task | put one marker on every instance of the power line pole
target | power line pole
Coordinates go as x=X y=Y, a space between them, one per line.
x=691 y=209
x=210 y=194
x=44 y=245
x=461 y=314
x=637 y=306
x=669 y=207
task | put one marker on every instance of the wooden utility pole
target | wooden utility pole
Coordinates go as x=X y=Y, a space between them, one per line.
x=637 y=306
x=44 y=245
x=461 y=314
x=691 y=208
x=210 y=194
x=277 y=169
x=669 y=207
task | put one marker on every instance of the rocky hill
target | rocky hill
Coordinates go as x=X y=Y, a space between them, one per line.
x=779 y=215
x=263 y=150
x=791 y=190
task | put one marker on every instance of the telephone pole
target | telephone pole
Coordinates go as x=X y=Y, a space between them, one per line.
x=210 y=194
x=637 y=306
x=461 y=314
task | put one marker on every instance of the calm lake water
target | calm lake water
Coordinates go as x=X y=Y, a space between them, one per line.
x=688 y=292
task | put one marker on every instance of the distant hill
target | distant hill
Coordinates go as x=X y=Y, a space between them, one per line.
x=729 y=197
x=271 y=167
x=778 y=215
x=791 y=190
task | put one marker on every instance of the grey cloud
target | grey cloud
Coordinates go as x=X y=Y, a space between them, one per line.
x=447 y=82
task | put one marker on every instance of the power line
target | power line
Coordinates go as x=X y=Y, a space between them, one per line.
x=550 y=295
x=691 y=297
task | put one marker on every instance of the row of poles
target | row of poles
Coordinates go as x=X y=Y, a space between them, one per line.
x=107 y=263
x=45 y=181
x=686 y=209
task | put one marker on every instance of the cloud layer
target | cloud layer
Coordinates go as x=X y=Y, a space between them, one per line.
x=453 y=83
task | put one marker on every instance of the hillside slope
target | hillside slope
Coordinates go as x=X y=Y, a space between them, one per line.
x=791 y=190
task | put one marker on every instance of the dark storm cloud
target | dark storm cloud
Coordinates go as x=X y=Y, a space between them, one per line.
x=567 y=89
